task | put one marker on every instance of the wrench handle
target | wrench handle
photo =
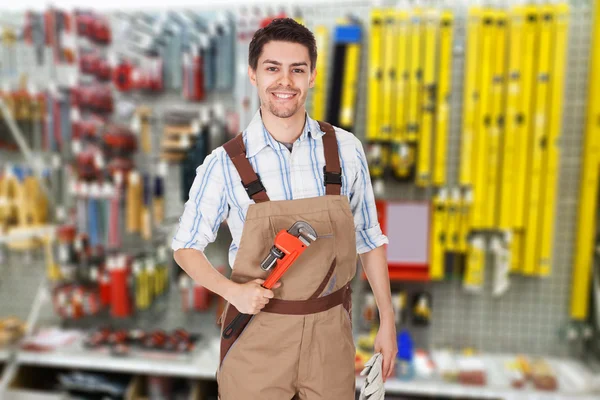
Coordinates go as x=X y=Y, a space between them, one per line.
x=239 y=321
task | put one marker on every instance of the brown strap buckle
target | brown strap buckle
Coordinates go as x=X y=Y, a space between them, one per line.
x=331 y=177
x=254 y=187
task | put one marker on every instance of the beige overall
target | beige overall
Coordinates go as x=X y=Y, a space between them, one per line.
x=300 y=345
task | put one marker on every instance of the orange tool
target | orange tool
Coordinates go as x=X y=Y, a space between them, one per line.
x=289 y=245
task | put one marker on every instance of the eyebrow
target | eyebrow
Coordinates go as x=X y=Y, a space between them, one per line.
x=296 y=64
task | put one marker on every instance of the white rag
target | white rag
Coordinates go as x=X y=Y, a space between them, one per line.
x=373 y=388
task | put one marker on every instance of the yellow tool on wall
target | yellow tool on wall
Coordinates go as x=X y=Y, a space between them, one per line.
x=9 y=188
x=559 y=44
x=319 y=91
x=443 y=98
x=134 y=203
x=463 y=223
x=484 y=120
x=475 y=269
x=399 y=162
x=142 y=287
x=523 y=144
x=144 y=114
x=427 y=98
x=471 y=96
x=415 y=77
x=590 y=174
x=517 y=251
x=375 y=91
x=350 y=80
x=535 y=194
x=495 y=129
x=439 y=235
x=390 y=76
x=514 y=118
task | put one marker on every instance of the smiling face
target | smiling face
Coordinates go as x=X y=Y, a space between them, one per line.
x=283 y=77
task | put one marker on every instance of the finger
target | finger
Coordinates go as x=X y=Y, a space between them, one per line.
x=277 y=285
x=259 y=281
x=384 y=365
x=267 y=293
x=390 y=366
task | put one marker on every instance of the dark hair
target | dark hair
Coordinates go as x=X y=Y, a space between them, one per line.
x=285 y=30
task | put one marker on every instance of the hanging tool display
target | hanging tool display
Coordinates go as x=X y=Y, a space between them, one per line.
x=93 y=26
x=341 y=107
x=444 y=88
x=428 y=97
x=134 y=202
x=319 y=91
x=289 y=245
x=509 y=153
x=439 y=235
x=95 y=97
x=408 y=86
x=34 y=34
x=92 y=63
x=421 y=308
x=60 y=35
x=495 y=127
x=23 y=206
x=142 y=125
x=449 y=234
x=193 y=74
x=181 y=128
x=589 y=188
x=375 y=75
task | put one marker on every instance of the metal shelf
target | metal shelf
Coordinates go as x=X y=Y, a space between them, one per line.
x=574 y=382
x=15 y=394
x=574 y=379
x=202 y=363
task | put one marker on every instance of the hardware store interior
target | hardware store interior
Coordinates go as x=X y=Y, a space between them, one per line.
x=480 y=126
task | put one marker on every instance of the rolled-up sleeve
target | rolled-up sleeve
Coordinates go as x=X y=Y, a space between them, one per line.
x=362 y=202
x=206 y=207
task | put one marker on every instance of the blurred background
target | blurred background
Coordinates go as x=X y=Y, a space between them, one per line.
x=481 y=122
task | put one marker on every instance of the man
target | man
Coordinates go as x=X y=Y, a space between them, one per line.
x=285 y=168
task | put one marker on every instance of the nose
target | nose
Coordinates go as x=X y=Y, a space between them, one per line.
x=285 y=79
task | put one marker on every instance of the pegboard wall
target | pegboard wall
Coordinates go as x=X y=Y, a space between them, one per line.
x=530 y=316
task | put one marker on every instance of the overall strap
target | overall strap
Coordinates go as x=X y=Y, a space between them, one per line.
x=332 y=171
x=237 y=152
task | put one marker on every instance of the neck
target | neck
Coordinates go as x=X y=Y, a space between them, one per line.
x=285 y=130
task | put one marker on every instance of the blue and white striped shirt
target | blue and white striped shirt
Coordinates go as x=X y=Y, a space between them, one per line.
x=217 y=193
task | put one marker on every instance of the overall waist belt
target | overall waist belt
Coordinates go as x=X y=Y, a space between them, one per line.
x=310 y=306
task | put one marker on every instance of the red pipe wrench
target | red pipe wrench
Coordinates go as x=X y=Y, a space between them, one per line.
x=289 y=245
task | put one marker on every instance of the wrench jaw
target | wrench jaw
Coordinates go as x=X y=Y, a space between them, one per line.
x=303 y=231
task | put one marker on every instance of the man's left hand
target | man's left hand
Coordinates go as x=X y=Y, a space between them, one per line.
x=385 y=343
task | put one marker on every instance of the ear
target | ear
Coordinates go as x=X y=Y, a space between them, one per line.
x=252 y=75
x=313 y=75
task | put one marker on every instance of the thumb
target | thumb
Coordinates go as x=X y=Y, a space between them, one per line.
x=275 y=286
x=259 y=281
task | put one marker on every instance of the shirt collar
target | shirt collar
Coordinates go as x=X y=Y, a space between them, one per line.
x=257 y=136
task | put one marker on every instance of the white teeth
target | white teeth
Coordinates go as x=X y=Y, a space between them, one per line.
x=283 y=96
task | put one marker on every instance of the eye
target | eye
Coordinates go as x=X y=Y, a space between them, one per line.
x=272 y=69
x=299 y=70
